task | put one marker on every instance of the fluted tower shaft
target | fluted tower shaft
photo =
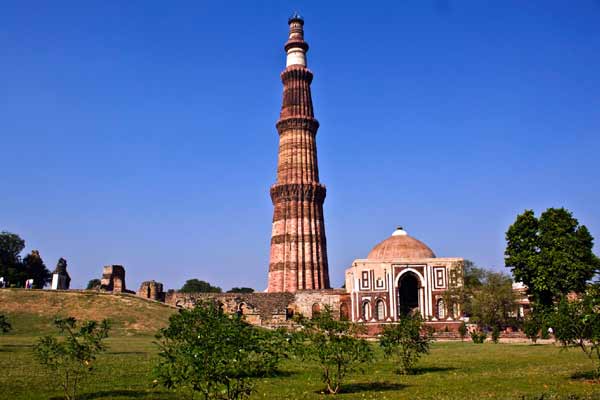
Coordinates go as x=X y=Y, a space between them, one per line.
x=298 y=245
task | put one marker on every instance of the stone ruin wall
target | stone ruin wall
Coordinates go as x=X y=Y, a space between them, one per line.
x=151 y=290
x=265 y=309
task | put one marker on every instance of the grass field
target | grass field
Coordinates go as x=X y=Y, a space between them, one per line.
x=453 y=370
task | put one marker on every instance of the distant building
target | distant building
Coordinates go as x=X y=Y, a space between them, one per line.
x=401 y=275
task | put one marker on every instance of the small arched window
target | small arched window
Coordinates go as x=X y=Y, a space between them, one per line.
x=441 y=309
x=380 y=310
x=455 y=311
x=366 y=311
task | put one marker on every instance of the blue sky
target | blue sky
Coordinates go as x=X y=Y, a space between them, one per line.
x=143 y=133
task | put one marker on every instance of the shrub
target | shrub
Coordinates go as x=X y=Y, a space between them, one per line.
x=5 y=326
x=531 y=327
x=205 y=351
x=478 y=337
x=495 y=334
x=406 y=341
x=333 y=345
x=577 y=323
x=462 y=330
x=72 y=358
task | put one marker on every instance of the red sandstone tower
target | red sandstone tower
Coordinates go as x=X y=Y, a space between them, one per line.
x=298 y=245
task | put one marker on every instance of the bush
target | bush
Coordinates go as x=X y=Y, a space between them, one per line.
x=478 y=337
x=5 y=326
x=333 y=345
x=72 y=358
x=205 y=351
x=462 y=330
x=93 y=284
x=495 y=334
x=406 y=341
x=531 y=327
x=577 y=323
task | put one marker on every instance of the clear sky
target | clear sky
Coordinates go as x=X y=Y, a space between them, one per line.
x=142 y=133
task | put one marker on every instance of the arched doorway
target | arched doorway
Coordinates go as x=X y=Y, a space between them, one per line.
x=408 y=294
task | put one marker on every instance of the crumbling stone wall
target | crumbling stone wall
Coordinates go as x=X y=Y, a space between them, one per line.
x=151 y=290
x=265 y=309
x=113 y=279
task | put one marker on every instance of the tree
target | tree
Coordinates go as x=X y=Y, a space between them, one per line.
x=5 y=326
x=34 y=268
x=576 y=322
x=240 y=290
x=406 y=341
x=11 y=246
x=552 y=255
x=93 y=284
x=205 y=351
x=532 y=326
x=333 y=345
x=462 y=330
x=198 y=286
x=72 y=358
x=492 y=303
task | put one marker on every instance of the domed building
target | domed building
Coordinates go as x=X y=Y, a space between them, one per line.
x=402 y=275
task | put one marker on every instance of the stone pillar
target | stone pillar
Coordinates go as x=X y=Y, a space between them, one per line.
x=298 y=258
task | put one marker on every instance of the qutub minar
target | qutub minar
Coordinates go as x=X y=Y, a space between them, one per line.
x=400 y=275
x=298 y=246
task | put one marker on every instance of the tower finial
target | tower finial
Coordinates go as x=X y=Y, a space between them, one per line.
x=296 y=16
x=296 y=47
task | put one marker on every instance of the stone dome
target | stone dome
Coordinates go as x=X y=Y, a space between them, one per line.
x=400 y=245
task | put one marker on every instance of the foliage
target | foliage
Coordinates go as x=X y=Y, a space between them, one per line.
x=333 y=345
x=205 y=351
x=74 y=356
x=491 y=303
x=406 y=341
x=11 y=246
x=576 y=322
x=462 y=330
x=5 y=326
x=552 y=255
x=478 y=337
x=495 y=334
x=16 y=271
x=240 y=290
x=532 y=326
x=198 y=286
x=33 y=267
x=93 y=284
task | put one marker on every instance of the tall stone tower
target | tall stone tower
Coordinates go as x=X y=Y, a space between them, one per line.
x=298 y=245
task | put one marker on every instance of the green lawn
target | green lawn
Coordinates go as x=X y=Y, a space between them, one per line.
x=451 y=371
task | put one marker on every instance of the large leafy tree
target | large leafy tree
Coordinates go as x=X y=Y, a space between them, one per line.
x=11 y=246
x=199 y=286
x=34 y=268
x=206 y=352
x=552 y=255
x=491 y=304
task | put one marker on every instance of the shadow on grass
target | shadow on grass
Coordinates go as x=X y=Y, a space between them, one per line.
x=589 y=376
x=127 y=352
x=110 y=394
x=371 y=387
x=426 y=370
x=14 y=347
